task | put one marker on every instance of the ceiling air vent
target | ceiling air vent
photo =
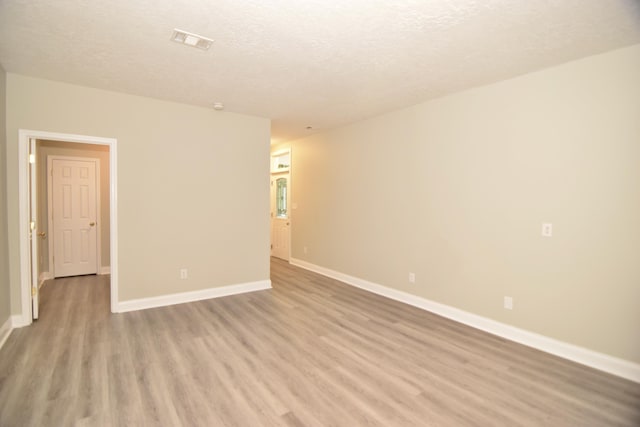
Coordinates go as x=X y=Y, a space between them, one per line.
x=191 y=39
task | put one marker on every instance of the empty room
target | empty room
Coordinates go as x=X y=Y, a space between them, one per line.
x=305 y=213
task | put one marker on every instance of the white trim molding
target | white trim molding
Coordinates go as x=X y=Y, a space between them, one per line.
x=603 y=362
x=23 y=194
x=18 y=321
x=44 y=276
x=105 y=269
x=5 y=331
x=12 y=322
x=204 y=294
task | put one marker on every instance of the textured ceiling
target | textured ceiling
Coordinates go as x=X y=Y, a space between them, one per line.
x=322 y=63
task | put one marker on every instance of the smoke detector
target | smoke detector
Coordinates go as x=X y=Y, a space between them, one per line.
x=190 y=39
x=219 y=106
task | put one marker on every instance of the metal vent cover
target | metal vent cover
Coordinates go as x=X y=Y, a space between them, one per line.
x=191 y=39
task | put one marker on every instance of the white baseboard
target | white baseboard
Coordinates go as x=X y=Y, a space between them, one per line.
x=19 y=320
x=164 y=300
x=12 y=322
x=603 y=362
x=5 y=331
x=44 y=276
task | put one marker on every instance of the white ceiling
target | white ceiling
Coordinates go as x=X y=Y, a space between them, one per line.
x=321 y=63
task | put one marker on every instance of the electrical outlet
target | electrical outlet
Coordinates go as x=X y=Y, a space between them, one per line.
x=184 y=273
x=547 y=229
x=412 y=278
x=508 y=303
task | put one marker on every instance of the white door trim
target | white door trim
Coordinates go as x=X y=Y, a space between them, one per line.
x=50 y=159
x=23 y=195
x=33 y=235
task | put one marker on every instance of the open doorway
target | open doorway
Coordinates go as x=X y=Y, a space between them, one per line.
x=92 y=156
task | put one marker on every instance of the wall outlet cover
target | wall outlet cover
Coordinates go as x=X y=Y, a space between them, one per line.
x=508 y=303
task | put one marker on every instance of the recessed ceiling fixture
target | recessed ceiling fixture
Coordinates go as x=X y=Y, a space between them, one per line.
x=218 y=106
x=191 y=39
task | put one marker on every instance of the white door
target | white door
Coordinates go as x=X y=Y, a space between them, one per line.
x=33 y=228
x=280 y=216
x=74 y=217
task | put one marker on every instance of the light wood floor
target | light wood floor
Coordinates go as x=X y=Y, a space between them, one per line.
x=310 y=352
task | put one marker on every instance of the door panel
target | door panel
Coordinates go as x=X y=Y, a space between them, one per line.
x=74 y=217
x=280 y=223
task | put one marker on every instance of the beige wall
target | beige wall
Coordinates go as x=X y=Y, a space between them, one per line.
x=192 y=184
x=59 y=148
x=456 y=189
x=5 y=309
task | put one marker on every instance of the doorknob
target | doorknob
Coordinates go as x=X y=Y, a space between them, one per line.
x=92 y=224
x=42 y=234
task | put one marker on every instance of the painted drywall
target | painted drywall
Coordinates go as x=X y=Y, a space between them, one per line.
x=455 y=190
x=5 y=309
x=193 y=184
x=60 y=148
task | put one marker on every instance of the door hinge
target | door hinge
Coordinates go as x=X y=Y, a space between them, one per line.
x=34 y=291
x=271 y=246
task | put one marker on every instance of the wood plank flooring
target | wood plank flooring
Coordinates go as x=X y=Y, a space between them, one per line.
x=310 y=352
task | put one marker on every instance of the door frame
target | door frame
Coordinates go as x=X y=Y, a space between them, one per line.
x=34 y=253
x=24 y=202
x=50 y=159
